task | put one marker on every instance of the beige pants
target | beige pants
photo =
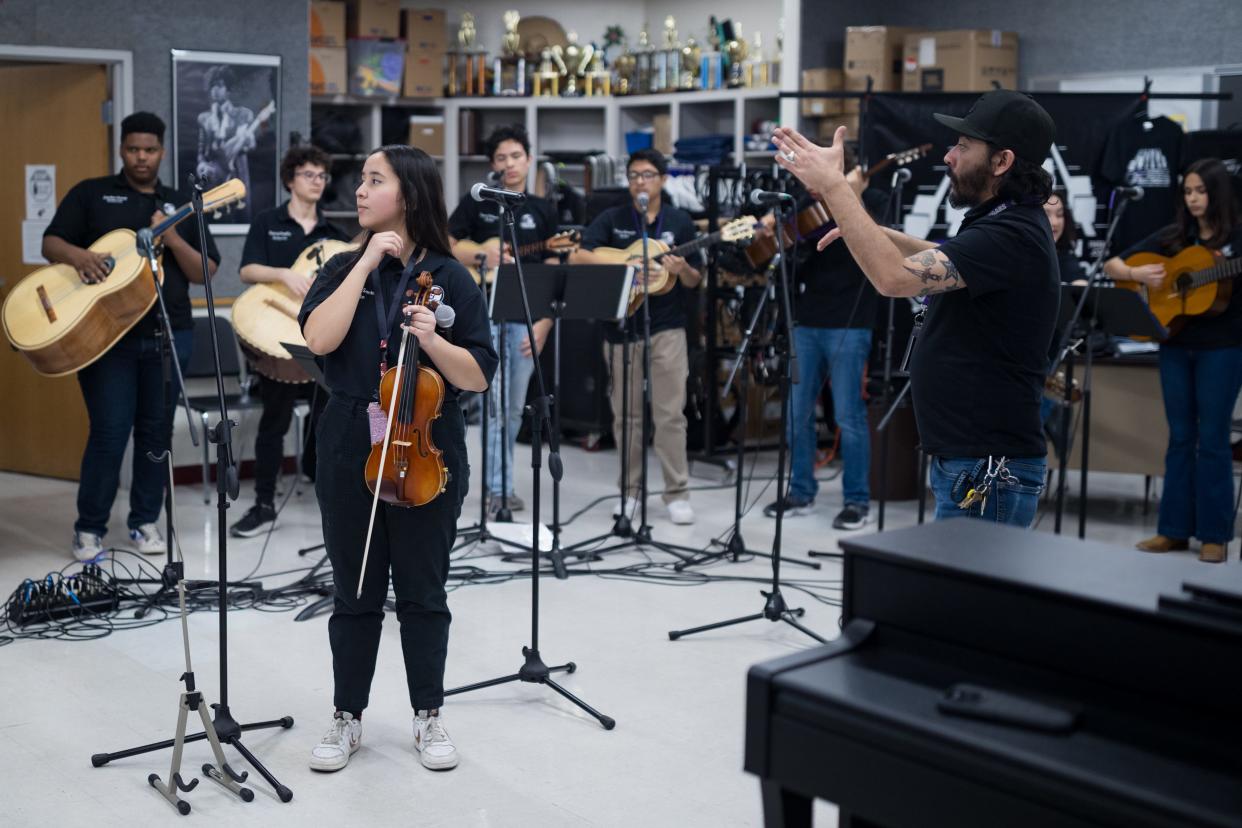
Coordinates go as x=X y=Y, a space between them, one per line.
x=669 y=369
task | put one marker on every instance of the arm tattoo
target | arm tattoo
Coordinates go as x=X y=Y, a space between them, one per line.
x=937 y=273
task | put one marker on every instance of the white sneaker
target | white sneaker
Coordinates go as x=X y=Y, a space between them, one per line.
x=432 y=741
x=87 y=546
x=148 y=540
x=340 y=742
x=680 y=512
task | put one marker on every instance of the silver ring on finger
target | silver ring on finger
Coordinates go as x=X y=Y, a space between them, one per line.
x=790 y=156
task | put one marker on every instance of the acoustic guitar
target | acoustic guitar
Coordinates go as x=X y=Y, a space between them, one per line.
x=565 y=242
x=61 y=324
x=813 y=221
x=661 y=280
x=266 y=315
x=1197 y=282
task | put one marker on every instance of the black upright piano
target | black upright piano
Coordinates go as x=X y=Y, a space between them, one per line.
x=987 y=676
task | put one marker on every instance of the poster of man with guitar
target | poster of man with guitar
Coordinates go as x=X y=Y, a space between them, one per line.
x=226 y=110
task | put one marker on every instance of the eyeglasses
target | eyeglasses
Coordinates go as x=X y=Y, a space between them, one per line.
x=643 y=175
x=314 y=176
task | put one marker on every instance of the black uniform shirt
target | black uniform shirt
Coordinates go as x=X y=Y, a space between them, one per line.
x=353 y=368
x=833 y=292
x=978 y=368
x=276 y=239
x=97 y=206
x=619 y=227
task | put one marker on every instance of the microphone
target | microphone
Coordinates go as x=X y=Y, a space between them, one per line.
x=145 y=238
x=1129 y=193
x=643 y=200
x=761 y=198
x=445 y=316
x=482 y=192
x=901 y=175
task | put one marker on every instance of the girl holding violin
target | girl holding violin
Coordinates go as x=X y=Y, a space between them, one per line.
x=367 y=316
x=1200 y=371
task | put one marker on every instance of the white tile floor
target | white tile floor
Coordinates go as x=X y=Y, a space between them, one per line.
x=529 y=757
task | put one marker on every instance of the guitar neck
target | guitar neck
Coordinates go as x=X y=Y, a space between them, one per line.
x=1226 y=270
x=183 y=213
x=691 y=246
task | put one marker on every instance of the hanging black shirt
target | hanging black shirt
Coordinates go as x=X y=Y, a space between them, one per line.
x=833 y=292
x=1203 y=332
x=97 y=206
x=978 y=368
x=619 y=227
x=276 y=239
x=478 y=221
x=353 y=368
x=1151 y=158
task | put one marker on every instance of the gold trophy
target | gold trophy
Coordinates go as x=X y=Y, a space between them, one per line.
x=691 y=54
x=509 y=69
x=625 y=67
x=643 y=59
x=579 y=59
x=670 y=59
x=597 y=78
x=467 y=63
x=755 y=68
x=548 y=75
x=735 y=53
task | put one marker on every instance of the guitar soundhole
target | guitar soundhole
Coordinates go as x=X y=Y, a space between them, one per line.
x=1184 y=283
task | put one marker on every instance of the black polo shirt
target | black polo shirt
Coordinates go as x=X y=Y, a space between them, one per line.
x=353 y=368
x=833 y=292
x=98 y=206
x=978 y=368
x=1202 y=333
x=478 y=221
x=276 y=239
x=619 y=227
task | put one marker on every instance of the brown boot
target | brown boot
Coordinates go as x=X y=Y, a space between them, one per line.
x=1159 y=543
x=1214 y=553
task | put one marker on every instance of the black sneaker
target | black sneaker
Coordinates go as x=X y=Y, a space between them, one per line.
x=853 y=516
x=260 y=518
x=793 y=505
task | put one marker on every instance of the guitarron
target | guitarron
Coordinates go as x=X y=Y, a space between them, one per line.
x=61 y=324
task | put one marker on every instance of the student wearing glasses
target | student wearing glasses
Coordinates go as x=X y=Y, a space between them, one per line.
x=276 y=238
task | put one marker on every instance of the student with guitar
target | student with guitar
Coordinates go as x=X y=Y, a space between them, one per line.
x=276 y=238
x=124 y=389
x=619 y=227
x=475 y=231
x=1200 y=362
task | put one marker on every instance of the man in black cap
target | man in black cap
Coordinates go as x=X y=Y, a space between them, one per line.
x=991 y=292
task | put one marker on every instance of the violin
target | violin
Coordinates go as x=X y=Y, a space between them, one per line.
x=405 y=468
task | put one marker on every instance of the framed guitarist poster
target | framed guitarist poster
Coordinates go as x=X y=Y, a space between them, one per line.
x=226 y=124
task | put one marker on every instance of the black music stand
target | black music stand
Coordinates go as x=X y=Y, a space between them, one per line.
x=580 y=292
x=1115 y=311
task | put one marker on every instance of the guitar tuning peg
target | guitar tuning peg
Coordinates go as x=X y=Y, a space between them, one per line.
x=241 y=205
x=217 y=215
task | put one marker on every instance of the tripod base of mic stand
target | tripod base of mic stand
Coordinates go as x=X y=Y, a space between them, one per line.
x=815 y=553
x=734 y=548
x=774 y=609
x=534 y=671
x=227 y=731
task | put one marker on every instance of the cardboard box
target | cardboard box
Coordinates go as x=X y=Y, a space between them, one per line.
x=426 y=29
x=662 y=139
x=327 y=23
x=374 y=18
x=874 y=51
x=427 y=133
x=329 y=70
x=825 y=128
x=960 y=60
x=376 y=68
x=821 y=80
x=424 y=73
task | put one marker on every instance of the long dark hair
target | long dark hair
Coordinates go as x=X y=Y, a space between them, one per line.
x=1070 y=234
x=1025 y=182
x=426 y=217
x=1222 y=210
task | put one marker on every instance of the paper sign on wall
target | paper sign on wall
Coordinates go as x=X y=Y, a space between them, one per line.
x=40 y=191
x=32 y=240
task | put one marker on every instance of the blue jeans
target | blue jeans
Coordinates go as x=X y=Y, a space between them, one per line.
x=1200 y=388
x=839 y=354
x=1012 y=503
x=124 y=393
x=517 y=370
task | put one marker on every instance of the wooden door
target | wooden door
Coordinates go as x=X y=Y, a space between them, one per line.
x=52 y=114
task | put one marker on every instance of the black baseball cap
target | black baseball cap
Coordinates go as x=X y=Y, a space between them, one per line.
x=1010 y=120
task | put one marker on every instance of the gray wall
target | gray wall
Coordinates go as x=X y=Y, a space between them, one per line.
x=1058 y=37
x=150 y=30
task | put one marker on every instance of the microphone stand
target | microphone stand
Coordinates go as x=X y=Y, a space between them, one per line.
x=226 y=728
x=1065 y=354
x=774 y=608
x=534 y=670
